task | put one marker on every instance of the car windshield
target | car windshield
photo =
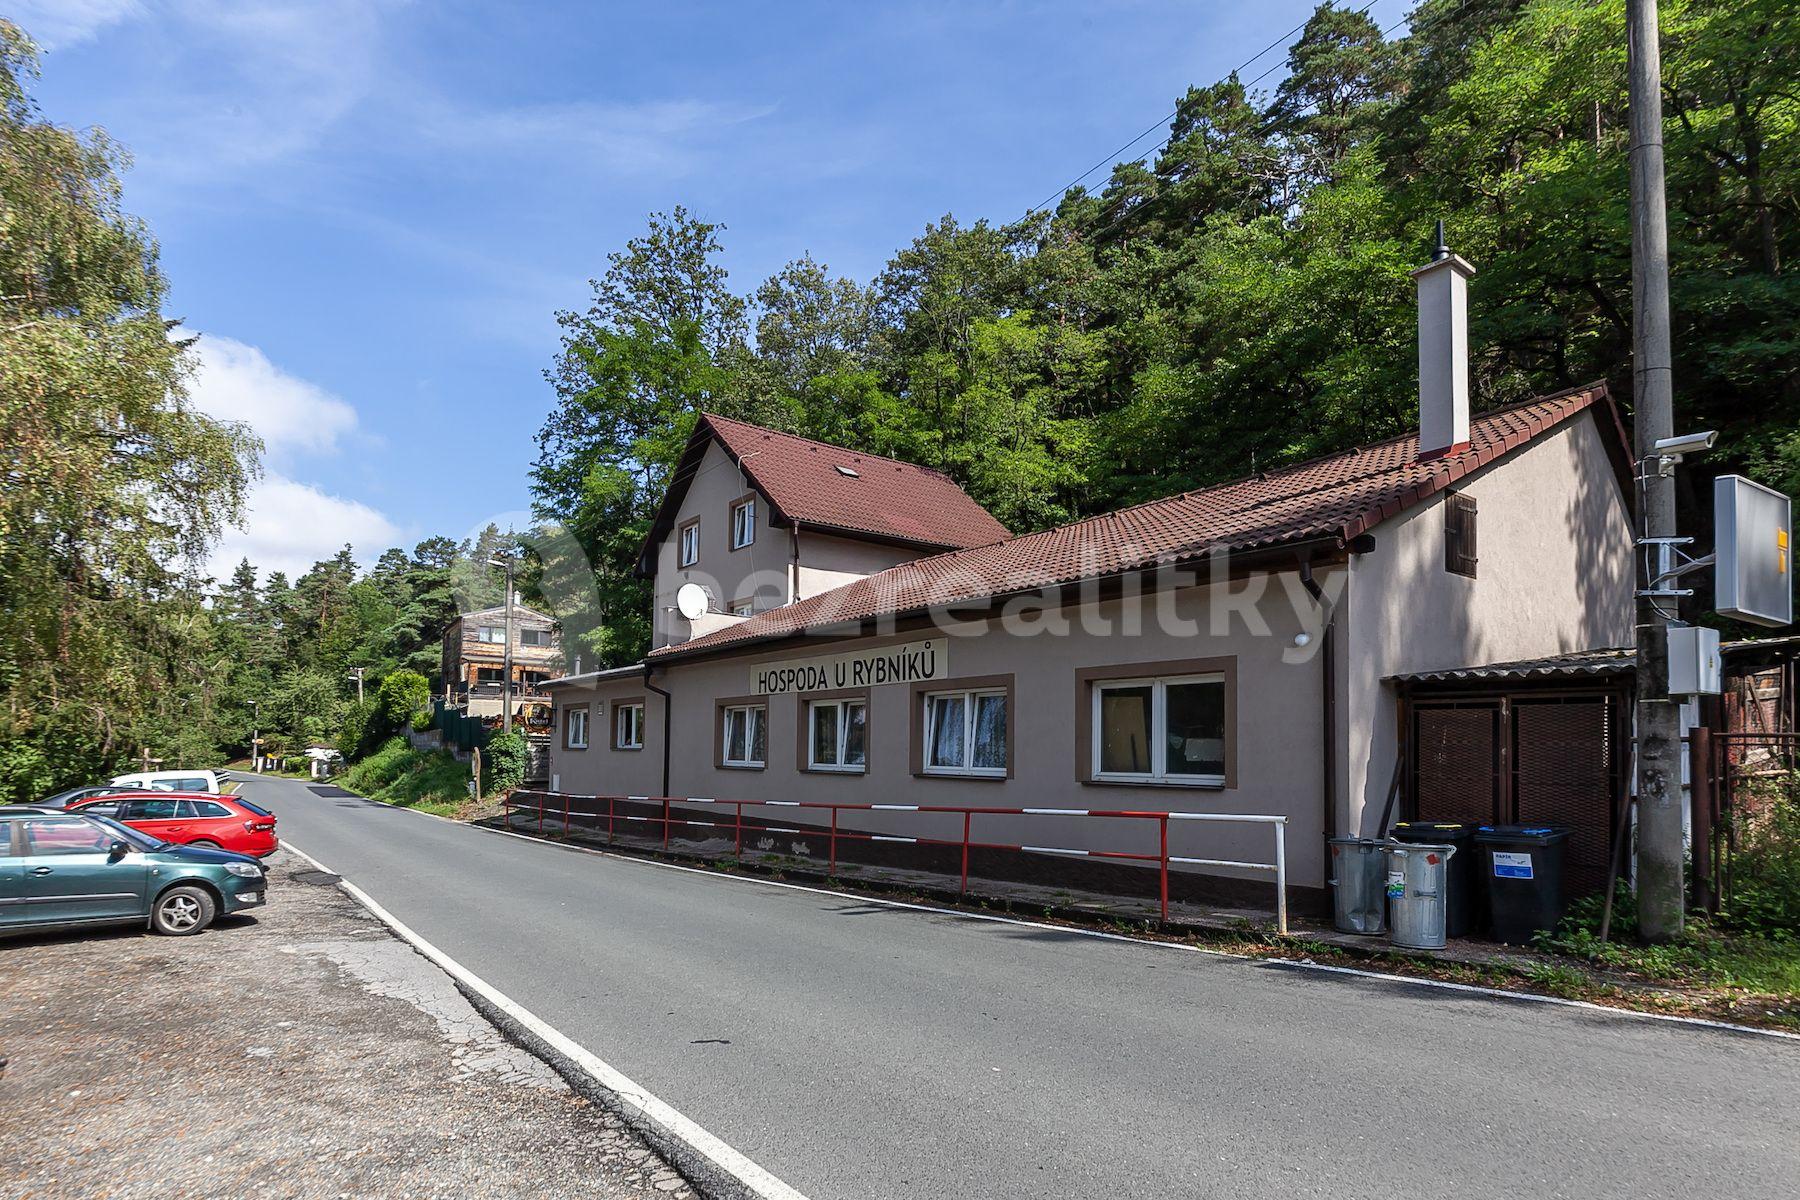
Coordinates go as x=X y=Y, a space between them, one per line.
x=136 y=839
x=258 y=809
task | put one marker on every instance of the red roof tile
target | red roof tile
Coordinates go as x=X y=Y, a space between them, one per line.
x=1336 y=497
x=885 y=499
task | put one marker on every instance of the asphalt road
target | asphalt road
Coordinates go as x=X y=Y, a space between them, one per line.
x=862 y=1051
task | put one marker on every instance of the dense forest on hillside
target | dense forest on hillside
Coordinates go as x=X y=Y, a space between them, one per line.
x=1238 y=297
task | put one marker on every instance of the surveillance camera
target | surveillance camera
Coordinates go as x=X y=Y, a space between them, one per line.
x=1687 y=443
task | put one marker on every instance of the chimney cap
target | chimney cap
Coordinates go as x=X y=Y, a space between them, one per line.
x=1442 y=255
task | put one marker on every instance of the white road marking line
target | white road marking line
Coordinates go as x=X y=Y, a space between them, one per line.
x=757 y=1180
x=1100 y=935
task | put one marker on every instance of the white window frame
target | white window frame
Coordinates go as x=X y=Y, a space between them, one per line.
x=687 y=544
x=760 y=713
x=743 y=608
x=491 y=635
x=743 y=523
x=570 y=724
x=843 y=706
x=635 y=714
x=1159 y=741
x=969 y=697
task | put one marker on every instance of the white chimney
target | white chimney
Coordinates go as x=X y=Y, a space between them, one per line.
x=1443 y=351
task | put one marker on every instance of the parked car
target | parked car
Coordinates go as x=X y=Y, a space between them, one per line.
x=169 y=781
x=193 y=819
x=76 y=795
x=65 y=869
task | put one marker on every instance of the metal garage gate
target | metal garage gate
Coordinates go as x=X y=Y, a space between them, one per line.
x=1524 y=758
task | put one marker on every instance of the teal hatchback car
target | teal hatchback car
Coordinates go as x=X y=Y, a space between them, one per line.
x=61 y=869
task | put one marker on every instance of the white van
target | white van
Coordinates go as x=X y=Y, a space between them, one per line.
x=169 y=781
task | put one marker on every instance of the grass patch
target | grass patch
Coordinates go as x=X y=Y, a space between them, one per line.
x=429 y=780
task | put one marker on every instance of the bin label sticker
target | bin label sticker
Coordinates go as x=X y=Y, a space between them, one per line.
x=1396 y=887
x=1511 y=865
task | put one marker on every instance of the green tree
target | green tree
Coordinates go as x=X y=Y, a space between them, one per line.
x=114 y=484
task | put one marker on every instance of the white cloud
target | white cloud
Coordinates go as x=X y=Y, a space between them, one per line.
x=59 y=23
x=237 y=382
x=292 y=525
x=655 y=136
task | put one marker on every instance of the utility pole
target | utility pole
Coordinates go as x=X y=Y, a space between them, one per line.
x=256 y=736
x=506 y=671
x=1659 y=844
x=356 y=673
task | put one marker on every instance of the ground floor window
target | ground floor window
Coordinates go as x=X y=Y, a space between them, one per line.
x=746 y=736
x=837 y=738
x=628 y=727
x=575 y=728
x=965 y=733
x=1160 y=730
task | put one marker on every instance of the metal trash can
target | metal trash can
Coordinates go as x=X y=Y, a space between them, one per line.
x=1524 y=869
x=1359 y=885
x=1466 y=901
x=1418 y=894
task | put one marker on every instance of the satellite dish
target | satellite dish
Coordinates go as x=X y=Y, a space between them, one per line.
x=692 y=601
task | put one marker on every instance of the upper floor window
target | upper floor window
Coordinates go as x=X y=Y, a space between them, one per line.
x=1160 y=730
x=687 y=548
x=743 y=523
x=534 y=637
x=495 y=634
x=743 y=608
x=1459 y=534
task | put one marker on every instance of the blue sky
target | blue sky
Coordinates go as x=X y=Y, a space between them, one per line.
x=371 y=211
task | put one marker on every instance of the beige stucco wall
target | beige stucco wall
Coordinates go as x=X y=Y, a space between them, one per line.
x=763 y=571
x=1554 y=575
x=1278 y=743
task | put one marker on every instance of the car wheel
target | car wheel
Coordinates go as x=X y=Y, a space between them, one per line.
x=205 y=844
x=181 y=911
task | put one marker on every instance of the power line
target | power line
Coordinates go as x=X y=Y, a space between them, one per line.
x=1113 y=158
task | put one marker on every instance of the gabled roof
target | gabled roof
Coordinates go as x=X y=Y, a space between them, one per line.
x=499 y=610
x=1333 y=499
x=832 y=489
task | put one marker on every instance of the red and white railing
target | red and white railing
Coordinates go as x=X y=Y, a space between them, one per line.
x=547 y=807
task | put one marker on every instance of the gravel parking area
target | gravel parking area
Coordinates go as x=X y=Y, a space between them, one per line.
x=301 y=1051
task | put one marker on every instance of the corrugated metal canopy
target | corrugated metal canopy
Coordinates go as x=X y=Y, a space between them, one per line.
x=1621 y=660
x=1589 y=663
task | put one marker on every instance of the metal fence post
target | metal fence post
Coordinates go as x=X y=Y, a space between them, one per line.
x=739 y=849
x=964 y=886
x=1163 y=862
x=1281 y=924
x=665 y=801
x=566 y=814
x=612 y=809
x=833 y=870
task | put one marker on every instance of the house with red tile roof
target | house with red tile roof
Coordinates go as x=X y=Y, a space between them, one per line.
x=833 y=626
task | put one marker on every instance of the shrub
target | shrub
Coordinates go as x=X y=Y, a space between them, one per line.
x=359 y=733
x=395 y=773
x=404 y=697
x=504 y=762
x=1765 y=871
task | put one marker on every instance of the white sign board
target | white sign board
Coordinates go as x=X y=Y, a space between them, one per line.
x=910 y=662
x=1753 y=548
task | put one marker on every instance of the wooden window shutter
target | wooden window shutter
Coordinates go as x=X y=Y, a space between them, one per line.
x=1459 y=534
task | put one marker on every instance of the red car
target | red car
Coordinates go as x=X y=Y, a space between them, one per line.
x=191 y=819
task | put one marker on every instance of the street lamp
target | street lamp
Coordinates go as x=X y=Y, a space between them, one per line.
x=506 y=670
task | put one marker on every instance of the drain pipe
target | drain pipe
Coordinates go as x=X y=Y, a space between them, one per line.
x=1328 y=698
x=667 y=706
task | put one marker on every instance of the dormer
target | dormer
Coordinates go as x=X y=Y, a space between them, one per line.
x=759 y=518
